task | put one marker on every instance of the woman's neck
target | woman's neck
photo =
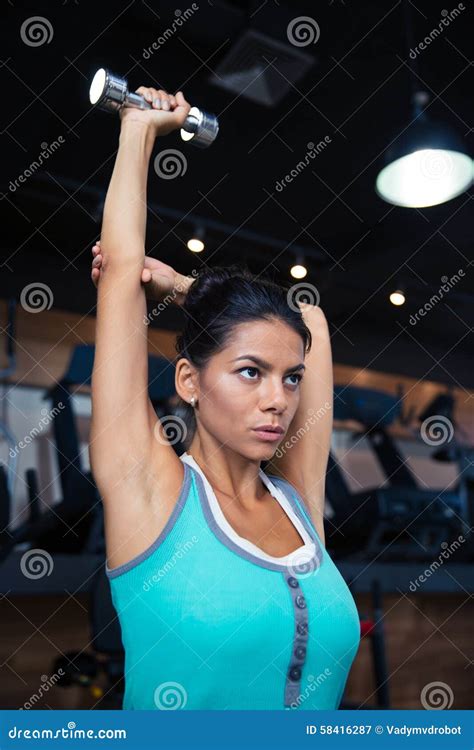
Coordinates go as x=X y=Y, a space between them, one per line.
x=229 y=473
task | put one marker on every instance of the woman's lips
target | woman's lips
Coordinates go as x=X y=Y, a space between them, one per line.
x=268 y=436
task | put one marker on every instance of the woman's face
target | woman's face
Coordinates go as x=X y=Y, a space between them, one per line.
x=238 y=394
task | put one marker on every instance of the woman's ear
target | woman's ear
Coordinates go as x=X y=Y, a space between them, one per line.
x=186 y=380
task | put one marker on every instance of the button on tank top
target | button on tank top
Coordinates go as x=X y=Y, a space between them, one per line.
x=211 y=621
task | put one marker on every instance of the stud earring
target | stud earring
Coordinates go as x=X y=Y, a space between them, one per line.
x=193 y=401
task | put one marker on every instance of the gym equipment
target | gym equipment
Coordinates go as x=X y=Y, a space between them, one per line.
x=108 y=658
x=398 y=521
x=110 y=92
x=5 y=432
x=372 y=629
x=75 y=524
x=5 y=500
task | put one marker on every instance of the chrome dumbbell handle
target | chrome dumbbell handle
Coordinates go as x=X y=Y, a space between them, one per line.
x=110 y=93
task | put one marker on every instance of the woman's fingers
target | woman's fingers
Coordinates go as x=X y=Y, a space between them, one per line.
x=145 y=91
x=159 y=98
x=96 y=263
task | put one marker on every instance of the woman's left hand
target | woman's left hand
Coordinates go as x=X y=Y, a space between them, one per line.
x=158 y=278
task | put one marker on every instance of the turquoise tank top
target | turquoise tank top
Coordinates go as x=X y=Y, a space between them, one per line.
x=207 y=625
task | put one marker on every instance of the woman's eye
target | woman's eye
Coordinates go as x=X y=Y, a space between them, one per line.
x=296 y=375
x=255 y=369
x=249 y=368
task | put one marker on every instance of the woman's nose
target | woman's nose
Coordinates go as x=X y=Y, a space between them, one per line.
x=276 y=398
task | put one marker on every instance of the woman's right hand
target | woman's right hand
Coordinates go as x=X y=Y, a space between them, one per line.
x=168 y=111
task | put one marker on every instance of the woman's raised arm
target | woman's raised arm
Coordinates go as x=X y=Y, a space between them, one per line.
x=123 y=440
x=302 y=457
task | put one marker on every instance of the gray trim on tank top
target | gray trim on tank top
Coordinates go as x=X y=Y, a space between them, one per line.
x=189 y=471
x=178 y=508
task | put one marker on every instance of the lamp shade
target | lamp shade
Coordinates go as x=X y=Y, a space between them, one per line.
x=428 y=164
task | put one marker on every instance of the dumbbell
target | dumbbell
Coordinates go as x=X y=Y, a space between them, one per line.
x=110 y=92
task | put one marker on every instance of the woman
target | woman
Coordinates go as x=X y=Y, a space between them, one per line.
x=226 y=595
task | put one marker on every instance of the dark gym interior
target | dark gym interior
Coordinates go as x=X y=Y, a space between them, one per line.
x=400 y=478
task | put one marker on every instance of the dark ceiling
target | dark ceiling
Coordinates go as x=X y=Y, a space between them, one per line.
x=356 y=91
